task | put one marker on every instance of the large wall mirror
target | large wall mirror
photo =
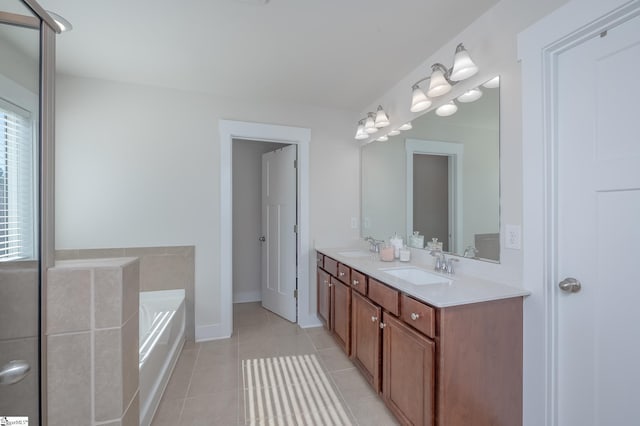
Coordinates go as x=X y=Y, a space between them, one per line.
x=441 y=179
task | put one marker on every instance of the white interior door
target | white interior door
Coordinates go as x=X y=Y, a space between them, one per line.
x=598 y=216
x=279 y=211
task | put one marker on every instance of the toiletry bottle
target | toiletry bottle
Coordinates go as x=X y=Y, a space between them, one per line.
x=386 y=253
x=405 y=254
x=397 y=244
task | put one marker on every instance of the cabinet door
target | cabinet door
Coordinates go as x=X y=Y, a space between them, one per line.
x=324 y=297
x=341 y=313
x=408 y=373
x=366 y=338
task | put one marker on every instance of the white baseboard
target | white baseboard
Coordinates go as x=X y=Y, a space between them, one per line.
x=205 y=333
x=308 y=321
x=247 y=296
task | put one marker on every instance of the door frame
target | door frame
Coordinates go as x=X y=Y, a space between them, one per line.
x=454 y=151
x=299 y=136
x=538 y=49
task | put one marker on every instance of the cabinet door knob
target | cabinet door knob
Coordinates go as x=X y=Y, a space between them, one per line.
x=374 y=319
x=382 y=325
x=356 y=282
x=341 y=274
x=330 y=285
x=414 y=316
x=326 y=282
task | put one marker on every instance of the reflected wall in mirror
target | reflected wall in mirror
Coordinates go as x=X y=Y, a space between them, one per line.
x=441 y=178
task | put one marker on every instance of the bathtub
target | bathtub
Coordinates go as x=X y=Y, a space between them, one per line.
x=162 y=319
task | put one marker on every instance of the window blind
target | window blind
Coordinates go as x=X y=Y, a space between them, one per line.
x=16 y=183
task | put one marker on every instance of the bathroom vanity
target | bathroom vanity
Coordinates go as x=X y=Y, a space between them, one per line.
x=440 y=350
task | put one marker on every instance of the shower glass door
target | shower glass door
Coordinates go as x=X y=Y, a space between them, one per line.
x=19 y=213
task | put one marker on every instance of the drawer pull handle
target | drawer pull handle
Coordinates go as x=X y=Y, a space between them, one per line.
x=341 y=274
x=414 y=316
x=382 y=325
x=374 y=319
x=356 y=282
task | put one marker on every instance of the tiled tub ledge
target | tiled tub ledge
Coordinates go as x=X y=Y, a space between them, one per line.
x=92 y=342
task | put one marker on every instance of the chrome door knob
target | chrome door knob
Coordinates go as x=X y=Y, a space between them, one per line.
x=570 y=285
x=14 y=371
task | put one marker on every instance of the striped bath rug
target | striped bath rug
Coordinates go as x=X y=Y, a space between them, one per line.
x=290 y=390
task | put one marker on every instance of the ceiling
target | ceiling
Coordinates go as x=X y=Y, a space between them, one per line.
x=330 y=53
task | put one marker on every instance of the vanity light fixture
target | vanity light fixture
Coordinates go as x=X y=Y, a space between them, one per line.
x=442 y=79
x=383 y=138
x=360 y=133
x=419 y=101
x=447 y=109
x=493 y=83
x=463 y=66
x=394 y=132
x=470 y=95
x=63 y=24
x=406 y=126
x=438 y=84
x=369 y=124
x=382 y=120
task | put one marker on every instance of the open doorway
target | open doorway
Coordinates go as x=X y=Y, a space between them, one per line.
x=301 y=138
x=264 y=182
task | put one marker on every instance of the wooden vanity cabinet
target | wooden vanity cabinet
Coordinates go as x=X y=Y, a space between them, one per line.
x=449 y=366
x=408 y=366
x=323 y=280
x=341 y=314
x=366 y=338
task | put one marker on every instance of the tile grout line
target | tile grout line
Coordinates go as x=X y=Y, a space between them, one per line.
x=186 y=394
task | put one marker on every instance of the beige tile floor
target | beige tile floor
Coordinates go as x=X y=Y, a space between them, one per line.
x=206 y=386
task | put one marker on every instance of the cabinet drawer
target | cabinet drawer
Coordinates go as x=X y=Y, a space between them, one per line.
x=344 y=273
x=418 y=315
x=359 y=282
x=331 y=266
x=320 y=259
x=384 y=296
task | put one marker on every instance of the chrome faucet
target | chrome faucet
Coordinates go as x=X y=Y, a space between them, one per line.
x=441 y=261
x=374 y=245
x=443 y=264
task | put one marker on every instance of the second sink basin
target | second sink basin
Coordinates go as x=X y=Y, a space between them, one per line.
x=415 y=275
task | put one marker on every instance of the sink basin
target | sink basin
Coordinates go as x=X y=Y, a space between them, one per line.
x=355 y=253
x=415 y=275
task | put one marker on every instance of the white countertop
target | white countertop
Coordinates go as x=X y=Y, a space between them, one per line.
x=462 y=290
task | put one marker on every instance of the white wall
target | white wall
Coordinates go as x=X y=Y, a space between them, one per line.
x=247 y=217
x=139 y=166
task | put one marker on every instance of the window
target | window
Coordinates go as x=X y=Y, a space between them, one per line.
x=17 y=182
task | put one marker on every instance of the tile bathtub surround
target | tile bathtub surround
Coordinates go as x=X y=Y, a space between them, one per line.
x=161 y=268
x=92 y=337
x=193 y=395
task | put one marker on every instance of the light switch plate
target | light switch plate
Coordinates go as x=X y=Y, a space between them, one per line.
x=513 y=237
